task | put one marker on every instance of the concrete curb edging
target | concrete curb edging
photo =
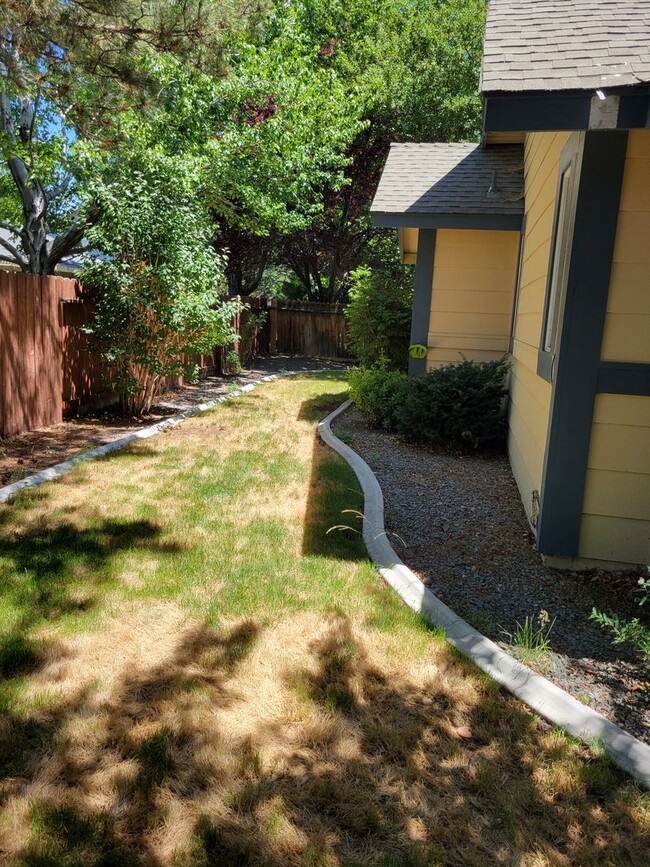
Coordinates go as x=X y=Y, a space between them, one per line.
x=54 y=472
x=551 y=702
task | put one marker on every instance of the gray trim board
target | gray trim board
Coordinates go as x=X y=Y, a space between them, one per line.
x=415 y=220
x=561 y=244
x=422 y=297
x=581 y=330
x=539 y=112
x=515 y=300
x=624 y=377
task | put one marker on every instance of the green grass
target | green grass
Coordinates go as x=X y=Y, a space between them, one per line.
x=197 y=669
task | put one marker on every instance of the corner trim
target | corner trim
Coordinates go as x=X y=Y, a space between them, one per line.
x=421 y=310
x=570 y=158
x=581 y=331
x=624 y=377
x=415 y=220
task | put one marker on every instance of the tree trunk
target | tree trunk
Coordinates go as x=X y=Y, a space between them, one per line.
x=39 y=254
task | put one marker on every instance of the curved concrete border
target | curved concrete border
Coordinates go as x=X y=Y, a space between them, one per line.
x=144 y=433
x=540 y=694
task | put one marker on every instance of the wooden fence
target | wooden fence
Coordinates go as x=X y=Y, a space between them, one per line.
x=47 y=369
x=43 y=360
x=302 y=328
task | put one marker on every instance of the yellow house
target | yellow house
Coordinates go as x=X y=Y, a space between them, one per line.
x=537 y=242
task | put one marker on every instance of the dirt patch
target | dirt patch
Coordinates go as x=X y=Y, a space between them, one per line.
x=23 y=455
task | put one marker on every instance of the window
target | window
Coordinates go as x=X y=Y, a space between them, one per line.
x=558 y=270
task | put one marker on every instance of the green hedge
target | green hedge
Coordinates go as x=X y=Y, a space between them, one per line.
x=459 y=405
x=379 y=392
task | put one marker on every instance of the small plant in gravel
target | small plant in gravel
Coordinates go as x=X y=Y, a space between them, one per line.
x=631 y=632
x=530 y=638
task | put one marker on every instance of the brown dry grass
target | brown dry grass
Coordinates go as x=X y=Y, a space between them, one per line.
x=307 y=720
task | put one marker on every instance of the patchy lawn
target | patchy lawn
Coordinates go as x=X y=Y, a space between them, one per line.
x=196 y=672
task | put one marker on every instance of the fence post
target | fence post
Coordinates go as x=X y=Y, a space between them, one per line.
x=273 y=327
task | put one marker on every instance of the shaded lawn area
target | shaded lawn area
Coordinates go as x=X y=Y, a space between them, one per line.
x=196 y=672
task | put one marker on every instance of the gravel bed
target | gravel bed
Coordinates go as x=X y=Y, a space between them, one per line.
x=458 y=522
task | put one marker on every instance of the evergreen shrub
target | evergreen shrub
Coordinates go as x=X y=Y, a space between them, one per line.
x=460 y=405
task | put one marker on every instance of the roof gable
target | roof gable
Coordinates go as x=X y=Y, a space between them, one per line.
x=442 y=180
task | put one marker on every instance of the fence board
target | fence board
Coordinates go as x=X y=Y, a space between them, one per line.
x=44 y=363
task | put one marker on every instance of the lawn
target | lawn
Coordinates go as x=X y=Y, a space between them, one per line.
x=196 y=672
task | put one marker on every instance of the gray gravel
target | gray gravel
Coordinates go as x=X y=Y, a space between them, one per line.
x=458 y=521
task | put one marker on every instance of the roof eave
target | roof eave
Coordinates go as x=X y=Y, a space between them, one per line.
x=415 y=220
x=540 y=111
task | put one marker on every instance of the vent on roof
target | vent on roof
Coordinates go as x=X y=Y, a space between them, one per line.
x=494 y=192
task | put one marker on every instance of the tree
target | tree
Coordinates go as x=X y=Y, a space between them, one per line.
x=380 y=307
x=158 y=280
x=413 y=65
x=282 y=148
x=68 y=70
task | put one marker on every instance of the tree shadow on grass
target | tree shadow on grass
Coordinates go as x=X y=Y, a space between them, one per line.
x=150 y=744
x=50 y=568
x=317 y=408
x=380 y=777
x=373 y=774
x=333 y=516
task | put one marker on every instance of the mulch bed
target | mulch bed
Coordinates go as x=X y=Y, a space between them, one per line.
x=23 y=455
x=458 y=521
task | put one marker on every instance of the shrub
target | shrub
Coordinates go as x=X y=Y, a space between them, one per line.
x=379 y=311
x=158 y=280
x=378 y=393
x=459 y=404
x=632 y=632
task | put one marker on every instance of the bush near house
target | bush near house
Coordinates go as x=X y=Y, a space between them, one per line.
x=379 y=392
x=459 y=405
x=379 y=311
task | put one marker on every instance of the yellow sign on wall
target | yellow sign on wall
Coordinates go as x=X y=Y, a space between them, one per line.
x=417 y=350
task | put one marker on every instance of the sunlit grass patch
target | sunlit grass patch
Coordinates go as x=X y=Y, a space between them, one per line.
x=199 y=669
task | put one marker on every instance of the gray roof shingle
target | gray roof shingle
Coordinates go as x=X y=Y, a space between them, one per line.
x=450 y=179
x=565 y=45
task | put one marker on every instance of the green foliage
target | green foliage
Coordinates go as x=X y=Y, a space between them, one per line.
x=531 y=638
x=378 y=393
x=413 y=67
x=250 y=329
x=379 y=311
x=282 y=128
x=414 y=64
x=158 y=280
x=459 y=405
x=632 y=632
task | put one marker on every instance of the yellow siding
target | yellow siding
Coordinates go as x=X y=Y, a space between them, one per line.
x=471 y=300
x=616 y=509
x=530 y=396
x=408 y=245
x=627 y=326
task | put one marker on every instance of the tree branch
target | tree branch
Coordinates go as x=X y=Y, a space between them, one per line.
x=67 y=241
x=15 y=230
x=20 y=258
